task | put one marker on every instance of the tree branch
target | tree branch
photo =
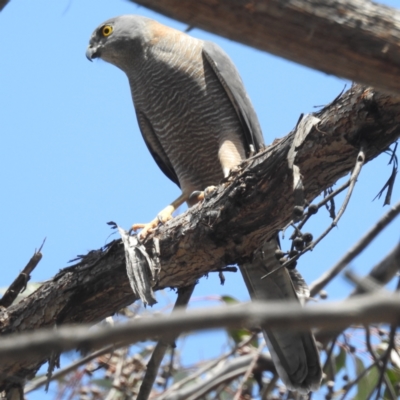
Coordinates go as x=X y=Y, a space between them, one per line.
x=322 y=281
x=349 y=38
x=226 y=229
x=363 y=309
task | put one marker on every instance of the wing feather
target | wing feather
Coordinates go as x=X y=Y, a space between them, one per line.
x=232 y=83
x=155 y=148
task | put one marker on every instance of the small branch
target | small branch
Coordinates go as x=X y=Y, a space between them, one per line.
x=37 y=383
x=351 y=183
x=365 y=284
x=231 y=370
x=321 y=282
x=178 y=385
x=329 y=357
x=116 y=391
x=382 y=273
x=184 y=295
x=249 y=370
x=19 y=284
x=359 y=377
x=325 y=200
x=387 y=353
x=385 y=270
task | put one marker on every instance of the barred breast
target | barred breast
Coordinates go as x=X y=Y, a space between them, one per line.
x=183 y=100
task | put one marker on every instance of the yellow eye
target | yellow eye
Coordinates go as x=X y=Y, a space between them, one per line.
x=106 y=30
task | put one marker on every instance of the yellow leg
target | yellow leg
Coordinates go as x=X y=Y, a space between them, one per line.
x=162 y=217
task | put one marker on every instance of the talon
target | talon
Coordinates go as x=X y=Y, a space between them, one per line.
x=208 y=190
x=164 y=216
x=146 y=229
x=198 y=195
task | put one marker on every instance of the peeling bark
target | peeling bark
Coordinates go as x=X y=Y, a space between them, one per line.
x=250 y=207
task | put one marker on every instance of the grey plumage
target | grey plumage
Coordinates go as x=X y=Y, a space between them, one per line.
x=198 y=123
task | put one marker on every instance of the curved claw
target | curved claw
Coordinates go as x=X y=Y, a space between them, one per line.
x=164 y=216
x=198 y=195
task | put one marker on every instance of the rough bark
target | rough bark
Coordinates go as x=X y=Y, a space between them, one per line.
x=354 y=39
x=225 y=229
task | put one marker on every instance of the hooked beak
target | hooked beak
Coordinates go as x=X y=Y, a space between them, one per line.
x=92 y=52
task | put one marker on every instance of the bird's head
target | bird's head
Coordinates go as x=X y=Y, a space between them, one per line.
x=119 y=40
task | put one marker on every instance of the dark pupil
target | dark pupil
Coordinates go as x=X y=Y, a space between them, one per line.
x=106 y=31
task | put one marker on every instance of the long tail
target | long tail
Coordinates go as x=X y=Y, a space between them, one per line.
x=295 y=354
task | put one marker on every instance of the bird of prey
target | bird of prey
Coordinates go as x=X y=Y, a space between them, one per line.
x=198 y=123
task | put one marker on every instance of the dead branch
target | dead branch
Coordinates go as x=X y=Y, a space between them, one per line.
x=363 y=309
x=352 y=39
x=225 y=229
x=20 y=282
x=214 y=364
x=385 y=270
x=321 y=282
x=382 y=273
x=37 y=383
x=159 y=351
x=232 y=369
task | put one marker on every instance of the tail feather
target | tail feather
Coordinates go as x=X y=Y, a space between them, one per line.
x=295 y=354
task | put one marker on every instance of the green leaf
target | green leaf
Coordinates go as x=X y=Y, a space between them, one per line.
x=238 y=335
x=368 y=382
x=104 y=383
x=340 y=359
x=229 y=300
x=393 y=375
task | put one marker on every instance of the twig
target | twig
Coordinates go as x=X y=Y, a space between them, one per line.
x=319 y=205
x=230 y=371
x=387 y=353
x=365 y=284
x=324 y=201
x=352 y=181
x=270 y=386
x=116 y=386
x=154 y=363
x=385 y=270
x=19 y=284
x=329 y=356
x=359 y=377
x=37 y=383
x=321 y=282
x=170 y=367
x=206 y=368
x=249 y=370
x=378 y=363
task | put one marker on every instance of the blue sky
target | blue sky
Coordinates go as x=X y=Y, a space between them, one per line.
x=72 y=157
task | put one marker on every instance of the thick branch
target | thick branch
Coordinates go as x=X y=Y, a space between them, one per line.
x=353 y=39
x=363 y=309
x=225 y=229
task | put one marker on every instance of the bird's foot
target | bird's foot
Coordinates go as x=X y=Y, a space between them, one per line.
x=162 y=217
x=198 y=195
